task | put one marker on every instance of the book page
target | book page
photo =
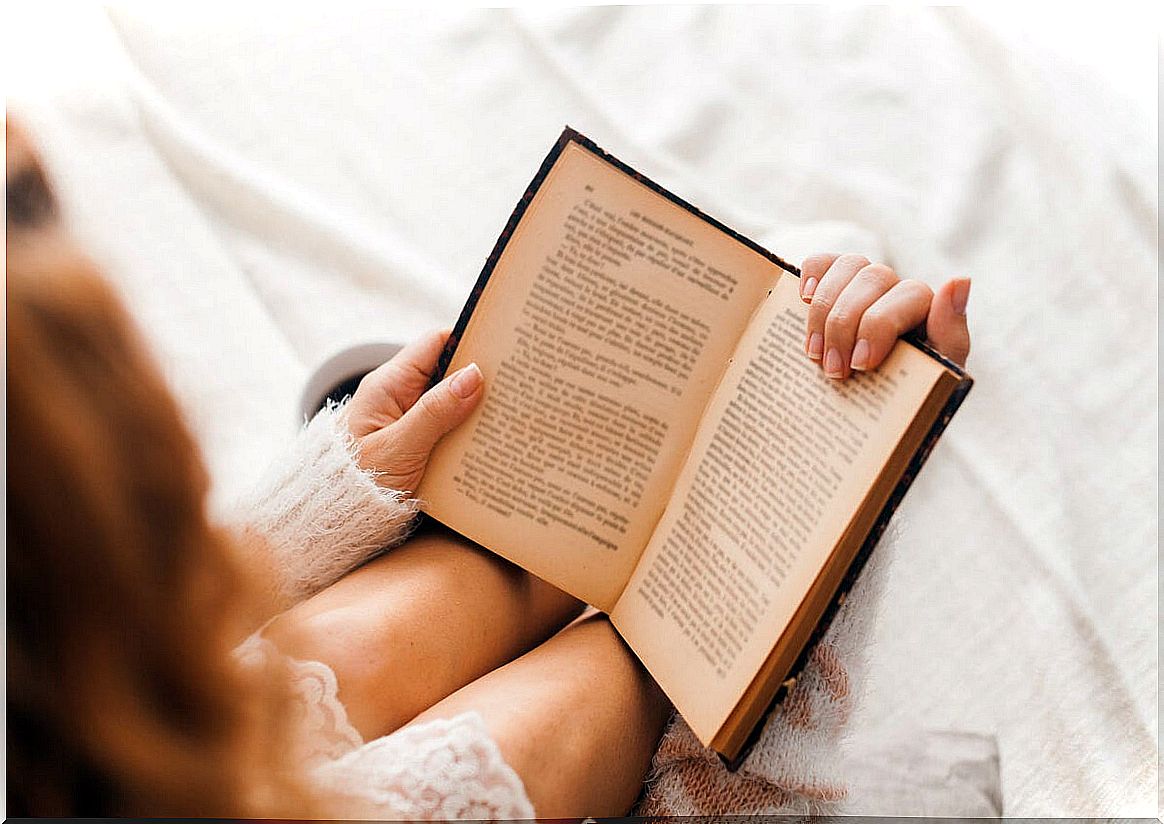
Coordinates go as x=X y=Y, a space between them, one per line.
x=778 y=469
x=606 y=323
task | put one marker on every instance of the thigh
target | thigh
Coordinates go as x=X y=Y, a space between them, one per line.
x=419 y=622
x=578 y=718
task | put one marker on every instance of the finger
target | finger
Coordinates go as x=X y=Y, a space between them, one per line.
x=412 y=366
x=391 y=389
x=812 y=270
x=839 y=273
x=899 y=310
x=946 y=326
x=866 y=288
x=439 y=410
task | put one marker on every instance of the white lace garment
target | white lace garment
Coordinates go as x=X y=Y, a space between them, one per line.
x=443 y=769
x=322 y=515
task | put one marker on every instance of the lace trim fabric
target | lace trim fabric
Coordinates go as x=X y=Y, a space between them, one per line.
x=441 y=769
x=322 y=729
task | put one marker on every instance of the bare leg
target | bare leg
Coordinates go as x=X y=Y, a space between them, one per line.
x=413 y=626
x=578 y=718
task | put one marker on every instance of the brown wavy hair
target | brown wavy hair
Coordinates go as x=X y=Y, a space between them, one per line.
x=124 y=602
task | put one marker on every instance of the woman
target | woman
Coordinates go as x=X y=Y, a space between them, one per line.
x=435 y=680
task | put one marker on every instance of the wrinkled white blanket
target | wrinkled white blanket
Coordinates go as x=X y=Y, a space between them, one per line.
x=267 y=186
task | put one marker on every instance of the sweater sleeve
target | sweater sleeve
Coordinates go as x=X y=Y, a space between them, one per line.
x=318 y=512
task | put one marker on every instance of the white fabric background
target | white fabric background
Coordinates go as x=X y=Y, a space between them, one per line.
x=268 y=187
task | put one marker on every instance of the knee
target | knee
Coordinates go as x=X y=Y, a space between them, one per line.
x=342 y=641
x=307 y=635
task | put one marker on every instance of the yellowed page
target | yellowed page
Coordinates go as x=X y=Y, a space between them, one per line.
x=604 y=327
x=777 y=470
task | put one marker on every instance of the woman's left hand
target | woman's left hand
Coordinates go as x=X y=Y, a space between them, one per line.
x=397 y=423
x=857 y=310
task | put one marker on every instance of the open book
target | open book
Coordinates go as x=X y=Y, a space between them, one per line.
x=654 y=441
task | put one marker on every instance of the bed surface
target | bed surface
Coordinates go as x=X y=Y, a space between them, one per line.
x=267 y=189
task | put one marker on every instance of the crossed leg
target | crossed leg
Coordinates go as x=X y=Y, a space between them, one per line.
x=439 y=626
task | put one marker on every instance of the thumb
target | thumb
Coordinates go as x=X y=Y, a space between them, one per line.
x=440 y=409
x=946 y=326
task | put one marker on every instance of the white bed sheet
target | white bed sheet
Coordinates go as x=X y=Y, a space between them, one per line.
x=267 y=187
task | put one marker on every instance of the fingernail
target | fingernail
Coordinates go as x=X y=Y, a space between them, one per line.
x=832 y=363
x=961 y=295
x=860 y=355
x=816 y=345
x=807 y=290
x=466 y=381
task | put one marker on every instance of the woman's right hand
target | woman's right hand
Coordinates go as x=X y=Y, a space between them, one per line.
x=397 y=419
x=858 y=309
